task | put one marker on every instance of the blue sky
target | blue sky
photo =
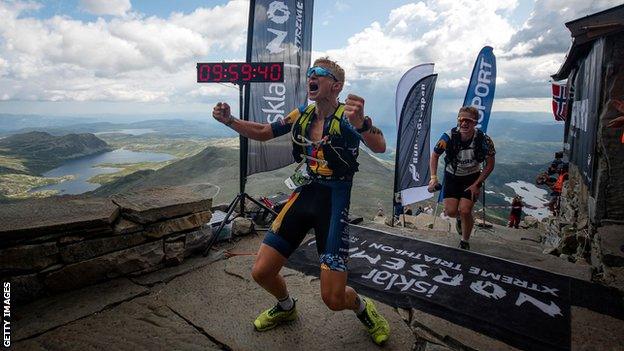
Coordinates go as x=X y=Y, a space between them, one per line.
x=80 y=57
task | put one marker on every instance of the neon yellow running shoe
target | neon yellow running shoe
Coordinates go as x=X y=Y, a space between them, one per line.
x=377 y=326
x=275 y=316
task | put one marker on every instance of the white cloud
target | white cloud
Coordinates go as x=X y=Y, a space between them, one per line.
x=341 y=6
x=426 y=32
x=129 y=58
x=452 y=83
x=522 y=105
x=447 y=32
x=450 y=34
x=3 y=66
x=134 y=57
x=544 y=32
x=400 y=17
x=106 y=7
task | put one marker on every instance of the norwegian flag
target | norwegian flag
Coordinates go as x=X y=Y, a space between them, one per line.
x=560 y=101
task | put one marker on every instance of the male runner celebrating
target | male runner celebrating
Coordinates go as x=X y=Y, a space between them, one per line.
x=328 y=144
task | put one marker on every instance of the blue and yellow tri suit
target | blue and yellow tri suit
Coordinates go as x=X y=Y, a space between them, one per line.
x=323 y=204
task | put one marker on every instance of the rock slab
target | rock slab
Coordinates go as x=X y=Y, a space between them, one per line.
x=34 y=217
x=161 y=203
x=106 y=267
x=223 y=300
x=28 y=257
x=52 y=312
x=612 y=245
x=141 y=324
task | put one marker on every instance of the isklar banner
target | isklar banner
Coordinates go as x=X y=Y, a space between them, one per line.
x=414 y=131
x=281 y=31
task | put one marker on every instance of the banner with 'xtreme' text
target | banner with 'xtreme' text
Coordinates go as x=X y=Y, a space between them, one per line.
x=282 y=32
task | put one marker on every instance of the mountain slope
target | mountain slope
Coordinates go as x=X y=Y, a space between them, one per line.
x=218 y=166
x=39 y=151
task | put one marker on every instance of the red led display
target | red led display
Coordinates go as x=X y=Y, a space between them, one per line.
x=240 y=72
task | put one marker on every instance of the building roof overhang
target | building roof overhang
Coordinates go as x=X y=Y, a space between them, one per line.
x=584 y=31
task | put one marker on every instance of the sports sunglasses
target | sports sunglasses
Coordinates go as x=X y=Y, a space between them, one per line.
x=469 y=120
x=320 y=72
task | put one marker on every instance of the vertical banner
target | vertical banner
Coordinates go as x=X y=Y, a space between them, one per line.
x=281 y=32
x=480 y=93
x=406 y=83
x=585 y=109
x=411 y=175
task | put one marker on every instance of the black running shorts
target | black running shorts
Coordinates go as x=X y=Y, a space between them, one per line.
x=322 y=206
x=454 y=186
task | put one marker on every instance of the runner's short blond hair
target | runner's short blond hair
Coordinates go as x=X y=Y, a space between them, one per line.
x=471 y=110
x=335 y=69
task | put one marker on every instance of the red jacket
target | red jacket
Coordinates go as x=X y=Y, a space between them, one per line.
x=558 y=187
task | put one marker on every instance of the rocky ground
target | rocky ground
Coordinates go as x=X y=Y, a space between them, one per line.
x=210 y=303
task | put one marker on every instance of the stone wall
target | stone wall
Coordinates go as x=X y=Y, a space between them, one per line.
x=571 y=231
x=608 y=234
x=62 y=243
x=610 y=151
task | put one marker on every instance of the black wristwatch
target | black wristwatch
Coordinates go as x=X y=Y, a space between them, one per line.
x=368 y=123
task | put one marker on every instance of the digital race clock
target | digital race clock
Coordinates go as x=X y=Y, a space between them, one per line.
x=240 y=72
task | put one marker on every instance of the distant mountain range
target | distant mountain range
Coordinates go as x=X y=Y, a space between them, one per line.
x=39 y=151
x=172 y=127
x=10 y=123
x=503 y=125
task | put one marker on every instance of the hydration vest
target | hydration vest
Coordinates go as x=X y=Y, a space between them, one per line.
x=454 y=147
x=341 y=160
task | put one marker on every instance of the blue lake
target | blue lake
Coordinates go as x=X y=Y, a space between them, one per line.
x=86 y=167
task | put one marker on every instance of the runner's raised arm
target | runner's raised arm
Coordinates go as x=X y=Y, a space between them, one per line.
x=252 y=130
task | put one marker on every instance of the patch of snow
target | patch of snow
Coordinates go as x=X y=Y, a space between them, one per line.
x=531 y=195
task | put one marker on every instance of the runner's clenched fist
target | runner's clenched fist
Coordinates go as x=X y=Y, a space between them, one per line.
x=354 y=110
x=221 y=112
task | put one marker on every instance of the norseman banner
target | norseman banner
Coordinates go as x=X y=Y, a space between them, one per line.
x=480 y=92
x=281 y=32
x=412 y=156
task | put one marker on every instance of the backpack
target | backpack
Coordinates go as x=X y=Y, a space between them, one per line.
x=454 y=147
x=339 y=159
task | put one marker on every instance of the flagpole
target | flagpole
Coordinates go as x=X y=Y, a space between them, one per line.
x=396 y=171
x=244 y=97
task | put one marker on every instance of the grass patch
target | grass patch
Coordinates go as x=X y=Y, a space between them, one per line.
x=9 y=162
x=126 y=169
x=17 y=186
x=180 y=148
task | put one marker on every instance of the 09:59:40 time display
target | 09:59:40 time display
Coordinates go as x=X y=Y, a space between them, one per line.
x=240 y=72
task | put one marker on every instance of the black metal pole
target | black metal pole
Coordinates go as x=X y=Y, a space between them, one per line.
x=396 y=173
x=244 y=99
x=242 y=174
